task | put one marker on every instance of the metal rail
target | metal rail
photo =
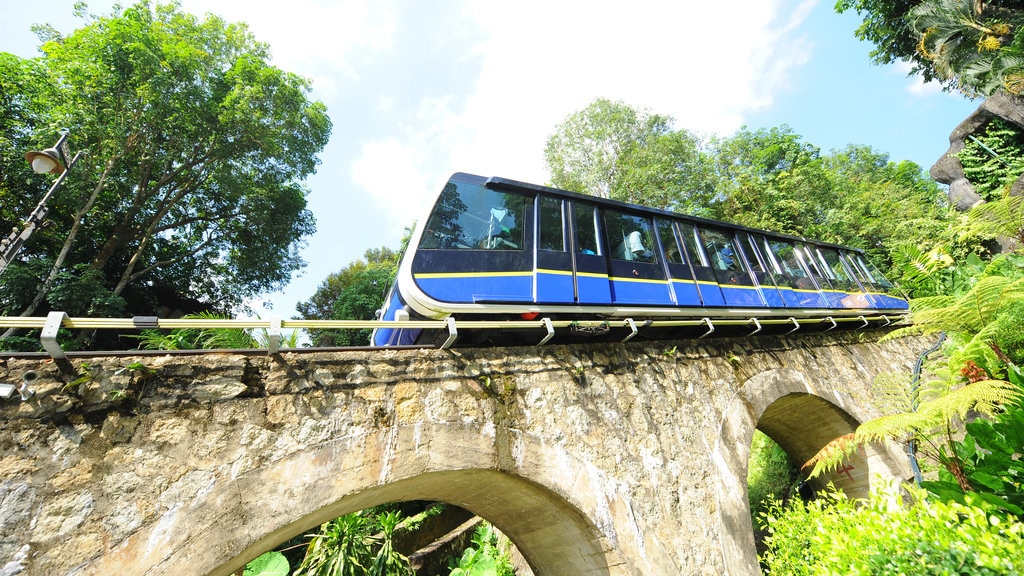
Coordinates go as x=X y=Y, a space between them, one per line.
x=49 y=325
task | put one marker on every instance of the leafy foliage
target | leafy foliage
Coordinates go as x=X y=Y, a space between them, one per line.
x=483 y=558
x=991 y=456
x=191 y=195
x=973 y=46
x=931 y=419
x=767 y=178
x=270 y=564
x=354 y=293
x=993 y=158
x=770 y=474
x=216 y=338
x=357 y=544
x=612 y=150
x=836 y=535
x=964 y=44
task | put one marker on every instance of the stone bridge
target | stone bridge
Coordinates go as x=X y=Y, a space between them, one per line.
x=602 y=459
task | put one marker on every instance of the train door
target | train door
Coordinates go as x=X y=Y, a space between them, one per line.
x=590 y=268
x=635 y=273
x=703 y=274
x=682 y=284
x=555 y=283
x=738 y=287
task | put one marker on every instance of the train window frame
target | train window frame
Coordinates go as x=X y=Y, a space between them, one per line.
x=631 y=235
x=546 y=223
x=720 y=260
x=444 y=231
x=692 y=244
x=793 y=271
x=670 y=247
x=843 y=276
x=580 y=219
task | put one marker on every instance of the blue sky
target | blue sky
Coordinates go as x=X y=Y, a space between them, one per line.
x=418 y=90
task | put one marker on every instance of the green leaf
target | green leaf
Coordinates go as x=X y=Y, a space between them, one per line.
x=270 y=564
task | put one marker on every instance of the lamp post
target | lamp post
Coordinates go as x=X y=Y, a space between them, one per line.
x=55 y=161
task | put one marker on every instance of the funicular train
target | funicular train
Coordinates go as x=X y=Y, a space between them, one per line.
x=493 y=248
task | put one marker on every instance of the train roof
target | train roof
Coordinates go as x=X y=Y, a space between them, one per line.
x=498 y=183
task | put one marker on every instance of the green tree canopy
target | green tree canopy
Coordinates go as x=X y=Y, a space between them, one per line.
x=355 y=292
x=191 y=194
x=976 y=47
x=768 y=178
x=612 y=150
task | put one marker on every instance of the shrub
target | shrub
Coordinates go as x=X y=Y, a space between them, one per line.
x=836 y=535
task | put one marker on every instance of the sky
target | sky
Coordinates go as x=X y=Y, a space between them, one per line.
x=419 y=90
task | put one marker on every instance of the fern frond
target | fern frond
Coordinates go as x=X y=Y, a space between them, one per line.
x=986 y=397
x=1000 y=218
x=831 y=455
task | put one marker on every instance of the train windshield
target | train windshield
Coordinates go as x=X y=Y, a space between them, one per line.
x=473 y=217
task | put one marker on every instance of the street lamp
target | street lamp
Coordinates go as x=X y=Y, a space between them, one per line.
x=52 y=160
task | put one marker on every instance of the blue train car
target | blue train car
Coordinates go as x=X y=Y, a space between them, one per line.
x=498 y=248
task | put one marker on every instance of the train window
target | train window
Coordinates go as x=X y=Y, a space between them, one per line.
x=754 y=255
x=586 y=229
x=719 y=247
x=786 y=258
x=668 y=242
x=551 y=228
x=860 y=273
x=689 y=235
x=472 y=217
x=630 y=235
x=879 y=280
x=807 y=256
x=839 y=273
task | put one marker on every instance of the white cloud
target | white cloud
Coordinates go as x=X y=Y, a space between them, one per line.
x=315 y=38
x=705 y=64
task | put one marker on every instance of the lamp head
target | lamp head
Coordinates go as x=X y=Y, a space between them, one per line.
x=45 y=161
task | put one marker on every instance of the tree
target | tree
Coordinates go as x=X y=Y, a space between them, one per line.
x=353 y=293
x=612 y=150
x=191 y=195
x=967 y=45
x=972 y=45
x=885 y=25
x=770 y=179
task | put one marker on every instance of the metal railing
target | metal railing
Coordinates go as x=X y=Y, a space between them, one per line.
x=52 y=323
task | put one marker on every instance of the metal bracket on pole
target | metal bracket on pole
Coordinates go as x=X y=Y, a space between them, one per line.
x=795 y=323
x=757 y=324
x=887 y=321
x=549 y=328
x=832 y=320
x=632 y=326
x=865 y=321
x=274 y=335
x=48 y=337
x=453 y=333
x=711 y=328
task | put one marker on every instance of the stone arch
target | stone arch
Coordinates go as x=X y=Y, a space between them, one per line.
x=800 y=415
x=449 y=462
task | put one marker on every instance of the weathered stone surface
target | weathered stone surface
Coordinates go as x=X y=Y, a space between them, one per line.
x=595 y=459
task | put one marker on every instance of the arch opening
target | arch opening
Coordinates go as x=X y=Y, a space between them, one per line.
x=785 y=406
x=552 y=536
